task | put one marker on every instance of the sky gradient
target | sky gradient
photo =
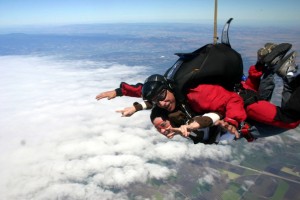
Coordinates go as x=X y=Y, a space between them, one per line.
x=56 y=12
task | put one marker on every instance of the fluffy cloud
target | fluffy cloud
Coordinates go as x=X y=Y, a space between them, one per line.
x=57 y=141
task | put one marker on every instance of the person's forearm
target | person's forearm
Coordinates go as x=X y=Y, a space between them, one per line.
x=145 y=105
x=206 y=120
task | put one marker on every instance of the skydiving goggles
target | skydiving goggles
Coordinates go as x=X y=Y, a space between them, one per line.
x=160 y=96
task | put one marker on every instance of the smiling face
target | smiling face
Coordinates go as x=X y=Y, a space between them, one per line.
x=168 y=103
x=162 y=125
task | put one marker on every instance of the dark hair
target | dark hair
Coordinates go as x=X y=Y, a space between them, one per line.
x=176 y=118
x=158 y=112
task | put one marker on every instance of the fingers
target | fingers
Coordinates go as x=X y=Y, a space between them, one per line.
x=170 y=135
x=182 y=130
x=237 y=134
x=127 y=112
x=124 y=113
x=103 y=95
x=233 y=130
x=109 y=95
x=173 y=130
x=100 y=96
x=121 y=111
x=230 y=128
x=221 y=123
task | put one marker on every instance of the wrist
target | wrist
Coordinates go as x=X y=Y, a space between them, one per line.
x=119 y=92
x=137 y=106
x=193 y=125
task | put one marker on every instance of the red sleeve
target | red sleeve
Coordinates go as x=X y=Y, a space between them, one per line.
x=213 y=98
x=254 y=75
x=235 y=108
x=131 y=90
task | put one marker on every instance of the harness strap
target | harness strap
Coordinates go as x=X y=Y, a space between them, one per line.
x=249 y=96
x=245 y=131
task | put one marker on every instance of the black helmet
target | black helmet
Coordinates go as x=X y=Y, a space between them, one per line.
x=153 y=85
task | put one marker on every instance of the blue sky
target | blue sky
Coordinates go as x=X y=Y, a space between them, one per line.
x=57 y=12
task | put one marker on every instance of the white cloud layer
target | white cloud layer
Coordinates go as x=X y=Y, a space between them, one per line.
x=58 y=142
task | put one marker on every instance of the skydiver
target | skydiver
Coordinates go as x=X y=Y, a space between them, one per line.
x=287 y=69
x=281 y=117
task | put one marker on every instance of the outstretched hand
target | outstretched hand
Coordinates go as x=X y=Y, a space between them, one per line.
x=108 y=94
x=185 y=130
x=182 y=130
x=169 y=134
x=127 y=112
x=230 y=128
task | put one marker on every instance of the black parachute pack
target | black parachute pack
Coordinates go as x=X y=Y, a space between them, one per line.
x=211 y=64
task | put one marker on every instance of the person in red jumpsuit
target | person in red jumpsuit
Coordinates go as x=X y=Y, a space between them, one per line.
x=212 y=98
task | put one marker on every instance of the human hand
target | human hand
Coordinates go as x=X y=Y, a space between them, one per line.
x=108 y=94
x=182 y=130
x=127 y=112
x=230 y=128
x=170 y=134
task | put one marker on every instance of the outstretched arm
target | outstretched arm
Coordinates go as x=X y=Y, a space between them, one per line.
x=128 y=111
x=197 y=122
x=124 y=89
x=185 y=130
x=108 y=94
